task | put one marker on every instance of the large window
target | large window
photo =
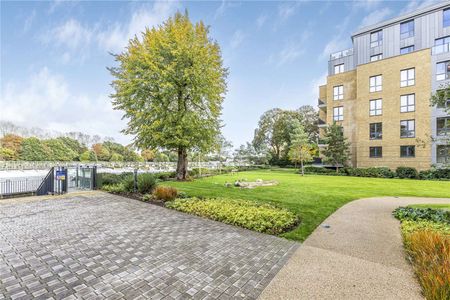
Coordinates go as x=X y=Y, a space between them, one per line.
x=443 y=154
x=338 y=68
x=407 y=128
x=338 y=92
x=446 y=17
x=407 y=77
x=446 y=104
x=338 y=113
x=441 y=45
x=407 y=151
x=376 y=57
x=406 y=50
x=376 y=83
x=376 y=131
x=443 y=70
x=376 y=151
x=407 y=103
x=375 y=107
x=376 y=38
x=443 y=126
x=407 y=29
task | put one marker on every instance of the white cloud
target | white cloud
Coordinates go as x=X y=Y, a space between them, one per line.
x=45 y=100
x=417 y=4
x=29 y=21
x=237 y=39
x=375 y=17
x=314 y=87
x=287 y=9
x=366 y=4
x=261 y=20
x=117 y=36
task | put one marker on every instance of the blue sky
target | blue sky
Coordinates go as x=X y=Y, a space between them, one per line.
x=54 y=55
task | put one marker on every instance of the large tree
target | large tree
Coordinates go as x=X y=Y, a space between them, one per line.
x=171 y=84
x=337 y=151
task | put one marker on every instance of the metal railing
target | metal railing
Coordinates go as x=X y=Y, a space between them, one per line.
x=15 y=186
x=340 y=54
x=438 y=49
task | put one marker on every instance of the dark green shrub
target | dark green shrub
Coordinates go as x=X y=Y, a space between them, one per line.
x=421 y=214
x=128 y=183
x=443 y=174
x=381 y=172
x=146 y=182
x=319 y=170
x=108 y=179
x=407 y=172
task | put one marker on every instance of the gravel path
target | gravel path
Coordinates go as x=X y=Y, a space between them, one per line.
x=360 y=256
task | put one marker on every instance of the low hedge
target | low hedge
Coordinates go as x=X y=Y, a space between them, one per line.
x=248 y=214
x=422 y=214
x=383 y=172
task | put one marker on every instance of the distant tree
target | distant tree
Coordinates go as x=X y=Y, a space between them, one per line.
x=441 y=98
x=300 y=150
x=88 y=155
x=337 y=151
x=148 y=155
x=309 y=119
x=161 y=157
x=73 y=144
x=7 y=154
x=248 y=152
x=102 y=153
x=171 y=84
x=58 y=151
x=33 y=150
x=116 y=157
x=13 y=143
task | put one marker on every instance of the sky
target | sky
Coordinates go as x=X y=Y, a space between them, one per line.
x=54 y=55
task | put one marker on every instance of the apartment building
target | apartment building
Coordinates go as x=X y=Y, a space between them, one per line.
x=379 y=91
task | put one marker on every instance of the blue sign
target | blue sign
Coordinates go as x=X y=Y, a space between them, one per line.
x=60 y=175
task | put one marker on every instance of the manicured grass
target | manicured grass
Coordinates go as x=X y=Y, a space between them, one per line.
x=436 y=206
x=312 y=197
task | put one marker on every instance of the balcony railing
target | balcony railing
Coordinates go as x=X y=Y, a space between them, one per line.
x=322 y=123
x=438 y=49
x=341 y=54
x=321 y=103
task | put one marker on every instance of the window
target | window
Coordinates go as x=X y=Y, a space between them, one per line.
x=407 y=77
x=443 y=126
x=376 y=38
x=375 y=107
x=406 y=50
x=407 y=103
x=376 y=152
x=338 y=69
x=376 y=57
x=446 y=17
x=443 y=154
x=376 y=131
x=338 y=92
x=443 y=70
x=442 y=95
x=441 y=45
x=407 y=129
x=338 y=113
x=407 y=151
x=407 y=29
x=376 y=83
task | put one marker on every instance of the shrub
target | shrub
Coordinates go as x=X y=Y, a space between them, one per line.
x=108 y=179
x=319 y=170
x=407 y=172
x=147 y=197
x=128 y=183
x=114 y=188
x=248 y=214
x=146 y=183
x=165 y=193
x=443 y=174
x=419 y=214
x=164 y=176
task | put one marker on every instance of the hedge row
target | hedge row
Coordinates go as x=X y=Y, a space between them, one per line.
x=383 y=172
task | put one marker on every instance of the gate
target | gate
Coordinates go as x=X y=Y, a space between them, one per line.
x=82 y=178
x=54 y=183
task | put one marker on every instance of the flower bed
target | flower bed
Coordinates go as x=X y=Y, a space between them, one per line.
x=248 y=214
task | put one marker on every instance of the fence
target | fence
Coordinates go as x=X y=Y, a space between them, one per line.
x=15 y=186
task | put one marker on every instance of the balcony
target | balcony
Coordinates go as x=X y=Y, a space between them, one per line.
x=438 y=49
x=322 y=123
x=341 y=54
x=322 y=143
x=321 y=104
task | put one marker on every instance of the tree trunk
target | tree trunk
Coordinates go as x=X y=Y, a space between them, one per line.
x=303 y=169
x=182 y=164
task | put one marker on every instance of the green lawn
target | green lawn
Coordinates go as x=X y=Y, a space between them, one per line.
x=312 y=197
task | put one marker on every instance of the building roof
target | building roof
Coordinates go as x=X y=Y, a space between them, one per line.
x=403 y=17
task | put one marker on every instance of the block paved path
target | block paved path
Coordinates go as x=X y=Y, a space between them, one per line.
x=360 y=256
x=97 y=245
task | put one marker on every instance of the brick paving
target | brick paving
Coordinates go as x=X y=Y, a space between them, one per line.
x=101 y=246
